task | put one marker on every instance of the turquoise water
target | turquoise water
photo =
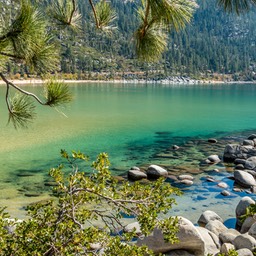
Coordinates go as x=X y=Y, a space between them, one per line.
x=124 y=120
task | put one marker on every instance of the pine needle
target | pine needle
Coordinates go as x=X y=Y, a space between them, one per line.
x=57 y=93
x=22 y=111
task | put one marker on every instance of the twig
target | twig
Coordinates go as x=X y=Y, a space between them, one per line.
x=95 y=14
x=8 y=83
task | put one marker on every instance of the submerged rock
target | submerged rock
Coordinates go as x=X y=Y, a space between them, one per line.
x=185 y=177
x=222 y=184
x=186 y=182
x=225 y=193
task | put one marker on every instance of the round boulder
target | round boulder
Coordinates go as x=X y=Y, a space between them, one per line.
x=189 y=239
x=155 y=172
x=229 y=235
x=208 y=216
x=136 y=175
x=247 y=224
x=244 y=179
x=213 y=158
x=216 y=227
x=245 y=241
x=244 y=252
x=252 y=230
x=241 y=207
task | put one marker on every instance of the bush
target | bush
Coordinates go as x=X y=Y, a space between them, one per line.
x=86 y=216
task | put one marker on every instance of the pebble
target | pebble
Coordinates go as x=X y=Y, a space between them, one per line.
x=187 y=182
x=225 y=193
x=222 y=185
x=210 y=179
x=175 y=147
x=185 y=177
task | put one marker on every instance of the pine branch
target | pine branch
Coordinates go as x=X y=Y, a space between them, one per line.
x=95 y=14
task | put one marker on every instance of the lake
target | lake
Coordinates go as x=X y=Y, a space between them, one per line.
x=132 y=123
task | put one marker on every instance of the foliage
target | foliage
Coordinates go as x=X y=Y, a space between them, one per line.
x=22 y=110
x=66 y=14
x=156 y=17
x=250 y=211
x=230 y=253
x=87 y=214
x=56 y=93
x=237 y=6
x=105 y=15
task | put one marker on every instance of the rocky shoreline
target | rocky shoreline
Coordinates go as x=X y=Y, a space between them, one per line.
x=211 y=235
x=172 y=80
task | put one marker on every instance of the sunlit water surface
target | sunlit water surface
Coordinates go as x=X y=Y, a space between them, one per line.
x=127 y=121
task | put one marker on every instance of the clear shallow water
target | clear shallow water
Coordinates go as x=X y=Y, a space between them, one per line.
x=130 y=122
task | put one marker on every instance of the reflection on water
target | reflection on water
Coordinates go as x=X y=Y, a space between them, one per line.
x=136 y=125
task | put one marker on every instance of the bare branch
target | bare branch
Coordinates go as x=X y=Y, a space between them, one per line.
x=21 y=90
x=7 y=98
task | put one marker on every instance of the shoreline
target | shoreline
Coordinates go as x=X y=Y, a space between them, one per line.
x=162 y=82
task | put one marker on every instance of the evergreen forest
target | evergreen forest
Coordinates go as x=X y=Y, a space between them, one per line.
x=216 y=45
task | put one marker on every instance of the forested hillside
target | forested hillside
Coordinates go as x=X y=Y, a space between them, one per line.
x=215 y=43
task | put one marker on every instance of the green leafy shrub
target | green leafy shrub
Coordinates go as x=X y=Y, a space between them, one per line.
x=87 y=214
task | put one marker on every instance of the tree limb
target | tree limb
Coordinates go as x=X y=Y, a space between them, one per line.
x=8 y=83
x=95 y=14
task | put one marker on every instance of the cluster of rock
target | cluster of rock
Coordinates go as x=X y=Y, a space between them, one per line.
x=210 y=237
x=244 y=157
